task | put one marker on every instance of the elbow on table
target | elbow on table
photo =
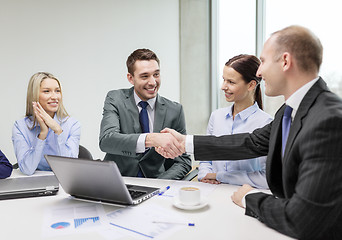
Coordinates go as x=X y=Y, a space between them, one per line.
x=26 y=170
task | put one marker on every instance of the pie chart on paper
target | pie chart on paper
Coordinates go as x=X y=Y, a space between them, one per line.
x=60 y=225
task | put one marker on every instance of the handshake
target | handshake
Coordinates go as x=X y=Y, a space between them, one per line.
x=168 y=143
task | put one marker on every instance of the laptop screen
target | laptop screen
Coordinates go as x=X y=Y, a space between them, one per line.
x=95 y=180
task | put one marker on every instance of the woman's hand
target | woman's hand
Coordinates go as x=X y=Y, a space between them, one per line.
x=210 y=178
x=45 y=121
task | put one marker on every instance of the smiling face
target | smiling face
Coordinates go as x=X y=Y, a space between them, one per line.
x=234 y=87
x=146 y=79
x=271 y=69
x=50 y=96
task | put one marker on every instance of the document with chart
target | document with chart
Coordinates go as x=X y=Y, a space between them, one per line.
x=71 y=219
x=147 y=222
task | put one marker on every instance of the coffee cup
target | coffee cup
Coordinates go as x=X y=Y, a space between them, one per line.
x=189 y=195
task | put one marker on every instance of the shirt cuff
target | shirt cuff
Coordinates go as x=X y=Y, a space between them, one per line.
x=243 y=201
x=141 y=143
x=61 y=138
x=220 y=176
x=189 y=144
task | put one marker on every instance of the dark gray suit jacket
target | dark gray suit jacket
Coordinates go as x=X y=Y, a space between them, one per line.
x=307 y=183
x=120 y=129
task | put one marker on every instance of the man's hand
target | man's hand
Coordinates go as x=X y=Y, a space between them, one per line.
x=168 y=152
x=240 y=193
x=164 y=141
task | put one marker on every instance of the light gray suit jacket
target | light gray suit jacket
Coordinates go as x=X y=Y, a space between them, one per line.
x=120 y=129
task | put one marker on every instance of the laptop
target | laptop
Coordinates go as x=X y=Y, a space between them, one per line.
x=95 y=180
x=20 y=186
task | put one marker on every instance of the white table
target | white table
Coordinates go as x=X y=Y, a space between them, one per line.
x=221 y=219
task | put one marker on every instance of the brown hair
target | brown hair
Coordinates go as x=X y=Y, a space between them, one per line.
x=247 y=66
x=302 y=44
x=140 y=54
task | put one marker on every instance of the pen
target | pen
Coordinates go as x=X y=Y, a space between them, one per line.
x=183 y=223
x=161 y=192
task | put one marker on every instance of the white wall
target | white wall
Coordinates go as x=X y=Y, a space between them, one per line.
x=85 y=43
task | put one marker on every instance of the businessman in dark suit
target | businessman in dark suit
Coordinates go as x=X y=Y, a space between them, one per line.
x=5 y=166
x=304 y=172
x=122 y=136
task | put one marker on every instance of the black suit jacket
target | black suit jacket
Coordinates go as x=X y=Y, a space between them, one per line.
x=120 y=129
x=307 y=183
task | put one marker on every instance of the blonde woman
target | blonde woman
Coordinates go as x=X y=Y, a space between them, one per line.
x=47 y=128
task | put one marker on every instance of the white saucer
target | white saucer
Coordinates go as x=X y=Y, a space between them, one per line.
x=178 y=204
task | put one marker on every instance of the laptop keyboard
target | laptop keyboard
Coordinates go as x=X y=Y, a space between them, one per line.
x=135 y=194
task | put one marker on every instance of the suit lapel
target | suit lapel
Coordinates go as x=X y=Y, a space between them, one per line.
x=131 y=107
x=302 y=111
x=159 y=114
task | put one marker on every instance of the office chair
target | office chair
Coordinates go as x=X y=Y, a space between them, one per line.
x=84 y=153
x=191 y=175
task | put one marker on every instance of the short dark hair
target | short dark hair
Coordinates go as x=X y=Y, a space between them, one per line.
x=247 y=66
x=140 y=54
x=302 y=44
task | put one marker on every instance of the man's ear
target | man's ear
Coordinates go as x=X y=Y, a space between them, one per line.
x=130 y=78
x=287 y=61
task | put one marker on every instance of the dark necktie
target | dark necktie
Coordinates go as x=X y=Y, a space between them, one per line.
x=145 y=128
x=143 y=117
x=286 y=124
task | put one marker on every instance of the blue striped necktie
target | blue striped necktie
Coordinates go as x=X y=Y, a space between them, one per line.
x=145 y=127
x=143 y=117
x=286 y=124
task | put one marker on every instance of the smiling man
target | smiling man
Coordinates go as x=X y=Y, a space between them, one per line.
x=302 y=143
x=133 y=118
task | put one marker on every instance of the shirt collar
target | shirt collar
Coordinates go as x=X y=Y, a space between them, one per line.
x=296 y=98
x=245 y=113
x=151 y=102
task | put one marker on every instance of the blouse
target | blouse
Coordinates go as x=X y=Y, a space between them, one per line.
x=30 y=150
x=249 y=171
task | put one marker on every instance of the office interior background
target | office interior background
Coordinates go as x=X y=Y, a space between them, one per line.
x=85 y=43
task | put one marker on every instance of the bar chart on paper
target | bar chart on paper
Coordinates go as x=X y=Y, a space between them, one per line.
x=85 y=221
x=73 y=218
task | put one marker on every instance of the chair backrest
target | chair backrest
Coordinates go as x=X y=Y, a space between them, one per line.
x=188 y=177
x=84 y=153
x=191 y=175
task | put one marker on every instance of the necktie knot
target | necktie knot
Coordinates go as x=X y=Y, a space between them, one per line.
x=288 y=111
x=143 y=104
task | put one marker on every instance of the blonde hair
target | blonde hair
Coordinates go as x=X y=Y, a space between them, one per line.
x=33 y=91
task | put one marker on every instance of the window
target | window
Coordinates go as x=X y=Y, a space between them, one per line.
x=322 y=18
x=236 y=33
